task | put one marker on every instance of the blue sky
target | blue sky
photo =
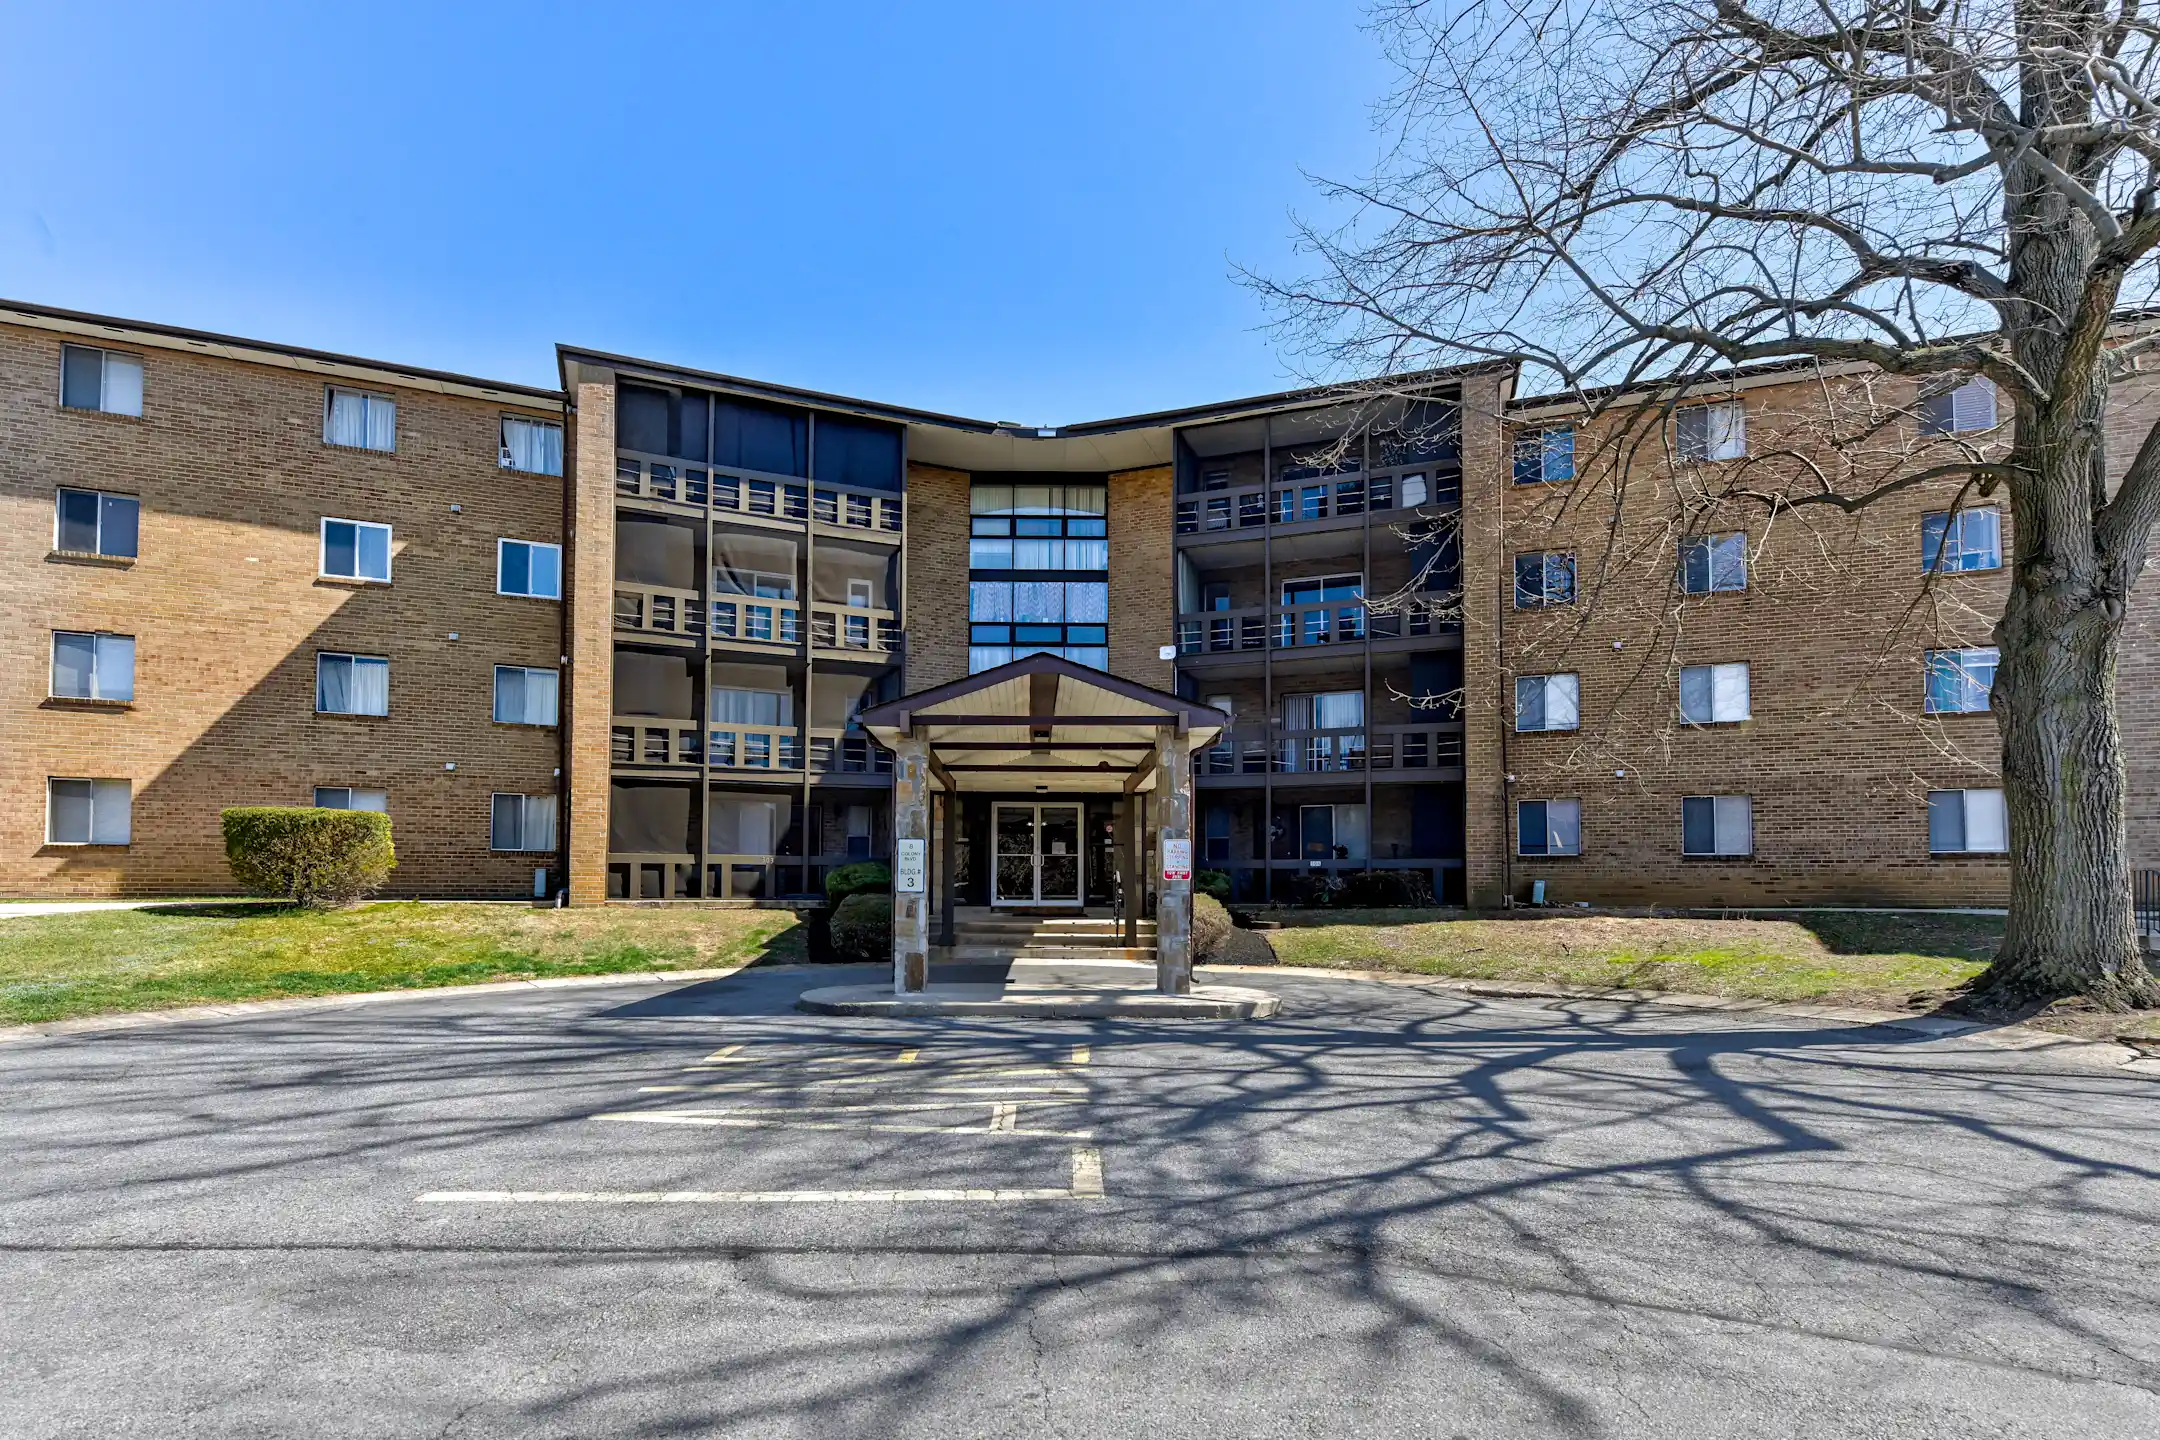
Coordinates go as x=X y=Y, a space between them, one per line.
x=1019 y=211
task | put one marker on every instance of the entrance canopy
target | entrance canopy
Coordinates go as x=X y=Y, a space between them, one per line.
x=1044 y=723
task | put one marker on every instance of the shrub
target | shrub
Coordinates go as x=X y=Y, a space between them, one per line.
x=1213 y=882
x=1210 y=928
x=1387 y=889
x=862 y=927
x=864 y=877
x=320 y=858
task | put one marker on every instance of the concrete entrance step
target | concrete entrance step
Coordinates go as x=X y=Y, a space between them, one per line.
x=966 y=953
x=1094 y=1002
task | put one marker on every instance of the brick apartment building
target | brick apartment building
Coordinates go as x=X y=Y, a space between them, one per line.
x=614 y=638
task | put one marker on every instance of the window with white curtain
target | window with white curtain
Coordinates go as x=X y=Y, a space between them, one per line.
x=1954 y=412
x=355 y=550
x=92 y=379
x=351 y=797
x=358 y=420
x=1717 y=825
x=534 y=446
x=522 y=822
x=735 y=705
x=88 y=812
x=1548 y=702
x=528 y=567
x=1712 y=432
x=352 y=684
x=87 y=666
x=1714 y=694
x=525 y=696
x=1548 y=827
x=1968 y=822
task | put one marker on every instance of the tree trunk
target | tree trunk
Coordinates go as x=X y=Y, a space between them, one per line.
x=2072 y=929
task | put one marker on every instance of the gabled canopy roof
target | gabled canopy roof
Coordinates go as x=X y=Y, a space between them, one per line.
x=1042 y=721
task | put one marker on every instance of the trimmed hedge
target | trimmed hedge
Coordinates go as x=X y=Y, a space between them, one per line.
x=1386 y=890
x=324 y=859
x=862 y=928
x=1210 y=928
x=1213 y=882
x=866 y=876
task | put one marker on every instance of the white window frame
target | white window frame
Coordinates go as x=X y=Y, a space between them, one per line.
x=1961 y=411
x=1549 y=853
x=502 y=545
x=495 y=696
x=1724 y=431
x=322 y=550
x=859 y=587
x=506 y=453
x=383 y=660
x=99 y=786
x=1964 y=668
x=1722 y=680
x=1712 y=546
x=1567 y=682
x=98 y=681
x=1543 y=600
x=351 y=793
x=1721 y=807
x=105 y=380
x=1953 y=542
x=1537 y=442
x=1999 y=820
x=369 y=399
x=524 y=822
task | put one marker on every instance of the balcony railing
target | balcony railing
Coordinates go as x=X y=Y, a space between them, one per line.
x=857 y=510
x=646 y=479
x=653 y=740
x=1219 y=632
x=658 y=609
x=853 y=629
x=756 y=620
x=1331 y=497
x=834 y=752
x=770 y=748
x=1271 y=749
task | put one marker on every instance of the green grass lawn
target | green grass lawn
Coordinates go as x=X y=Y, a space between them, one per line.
x=90 y=962
x=1897 y=960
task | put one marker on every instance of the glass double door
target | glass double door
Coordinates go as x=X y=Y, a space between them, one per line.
x=1038 y=855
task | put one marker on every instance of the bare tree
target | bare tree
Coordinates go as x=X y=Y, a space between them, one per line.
x=1612 y=193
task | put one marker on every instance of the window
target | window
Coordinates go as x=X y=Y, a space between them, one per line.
x=1038 y=527
x=1713 y=563
x=859 y=595
x=1958 y=681
x=87 y=812
x=1954 y=412
x=1542 y=456
x=1967 y=822
x=522 y=822
x=534 y=446
x=1548 y=827
x=1331 y=832
x=100 y=380
x=732 y=705
x=1323 y=589
x=1011 y=618
x=1544 y=578
x=91 y=522
x=1967 y=540
x=526 y=567
x=355 y=550
x=1215 y=848
x=346 y=797
x=1717 y=825
x=92 y=666
x=352 y=684
x=1547 y=702
x=1713 y=694
x=525 y=697
x=1712 y=432
x=359 y=421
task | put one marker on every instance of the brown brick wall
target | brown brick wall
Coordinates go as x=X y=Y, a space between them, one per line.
x=937 y=571
x=1484 y=757
x=1143 y=595
x=1837 y=756
x=228 y=615
x=589 y=590
x=2132 y=413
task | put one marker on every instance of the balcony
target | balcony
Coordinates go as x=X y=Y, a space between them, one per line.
x=660 y=611
x=1429 y=751
x=759 y=497
x=767 y=749
x=854 y=630
x=653 y=740
x=1337 y=497
x=834 y=752
x=748 y=620
x=857 y=510
x=1302 y=627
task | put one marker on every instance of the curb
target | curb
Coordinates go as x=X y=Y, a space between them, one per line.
x=2108 y=1054
x=139 y=1019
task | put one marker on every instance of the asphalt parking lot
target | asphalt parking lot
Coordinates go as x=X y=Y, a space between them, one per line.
x=1392 y=1211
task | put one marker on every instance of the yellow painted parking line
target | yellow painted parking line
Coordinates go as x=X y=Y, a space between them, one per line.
x=741 y=1197
x=775 y=1122
x=720 y=1055
x=907 y=1057
x=1081 y=1054
x=1004 y=1116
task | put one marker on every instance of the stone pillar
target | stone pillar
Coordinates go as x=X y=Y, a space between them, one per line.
x=911 y=821
x=1173 y=904
x=589 y=598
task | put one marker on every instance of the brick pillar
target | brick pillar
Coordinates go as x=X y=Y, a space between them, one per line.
x=911 y=821
x=1173 y=905
x=1485 y=572
x=588 y=698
